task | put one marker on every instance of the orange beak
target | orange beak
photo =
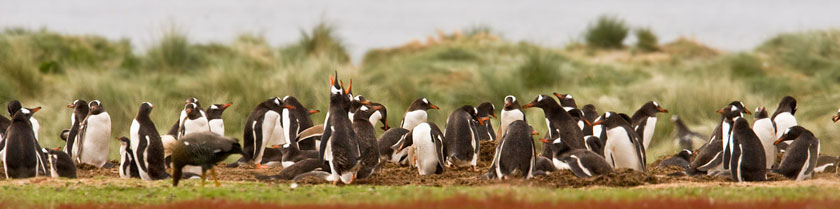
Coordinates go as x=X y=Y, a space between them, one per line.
x=365 y=102
x=289 y=107
x=587 y=122
x=534 y=133
x=314 y=111
x=748 y=112
x=377 y=107
x=780 y=140
x=58 y=148
x=482 y=119
x=275 y=146
x=559 y=95
x=71 y=106
x=529 y=105
x=434 y=107
x=720 y=110
x=189 y=110
x=494 y=115
x=349 y=86
x=598 y=122
x=332 y=81
x=36 y=109
x=836 y=117
x=663 y=110
x=544 y=141
x=153 y=106
x=227 y=105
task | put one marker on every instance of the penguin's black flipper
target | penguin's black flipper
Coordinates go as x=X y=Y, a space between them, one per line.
x=717 y=160
x=325 y=138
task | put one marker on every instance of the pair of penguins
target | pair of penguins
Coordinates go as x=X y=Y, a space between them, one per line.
x=146 y=154
x=746 y=153
x=88 y=139
x=22 y=156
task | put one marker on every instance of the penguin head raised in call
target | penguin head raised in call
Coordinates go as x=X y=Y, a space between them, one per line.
x=215 y=111
x=611 y=119
x=338 y=96
x=651 y=108
x=96 y=107
x=793 y=133
x=511 y=103
x=566 y=100
x=421 y=104
x=486 y=109
x=760 y=113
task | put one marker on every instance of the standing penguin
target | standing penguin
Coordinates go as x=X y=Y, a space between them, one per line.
x=560 y=125
x=644 y=121
x=147 y=146
x=710 y=156
x=485 y=132
x=590 y=113
x=783 y=117
x=461 y=137
x=60 y=164
x=427 y=143
x=731 y=112
x=263 y=129
x=297 y=120
x=339 y=145
x=800 y=159
x=747 y=161
x=623 y=149
x=194 y=121
x=14 y=106
x=684 y=135
x=416 y=113
x=80 y=112
x=764 y=129
x=515 y=153
x=214 y=118
x=368 y=147
x=510 y=113
x=23 y=156
x=94 y=137
x=128 y=166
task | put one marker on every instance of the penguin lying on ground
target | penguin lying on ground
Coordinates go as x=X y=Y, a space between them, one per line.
x=583 y=163
x=680 y=159
x=684 y=135
x=747 y=161
x=60 y=163
x=390 y=141
x=203 y=149
x=515 y=154
x=826 y=164
x=800 y=159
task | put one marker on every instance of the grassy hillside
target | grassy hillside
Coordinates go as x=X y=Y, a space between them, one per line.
x=43 y=68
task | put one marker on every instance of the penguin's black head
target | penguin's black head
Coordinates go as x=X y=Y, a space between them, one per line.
x=487 y=109
x=542 y=101
x=192 y=100
x=473 y=112
x=740 y=123
x=421 y=104
x=557 y=145
x=651 y=108
x=78 y=104
x=145 y=109
x=384 y=112
x=760 y=113
x=364 y=112
x=276 y=105
x=685 y=154
x=23 y=114
x=215 y=111
x=566 y=100
x=124 y=140
x=193 y=112
x=731 y=112
x=793 y=133
x=511 y=103
x=14 y=106
x=590 y=112
x=611 y=119
x=577 y=114
x=96 y=107
x=740 y=105
x=64 y=134
x=357 y=102
x=788 y=104
x=335 y=87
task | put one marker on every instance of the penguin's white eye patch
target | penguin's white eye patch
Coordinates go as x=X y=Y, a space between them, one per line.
x=187 y=143
x=757 y=109
x=493 y=106
x=284 y=98
x=540 y=98
x=608 y=115
x=475 y=109
x=148 y=103
x=655 y=104
x=364 y=108
x=425 y=101
x=24 y=110
x=734 y=108
x=557 y=141
x=334 y=90
x=277 y=101
x=513 y=98
x=214 y=107
x=568 y=96
x=787 y=131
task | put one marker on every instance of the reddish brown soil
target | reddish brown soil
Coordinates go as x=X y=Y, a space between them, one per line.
x=496 y=202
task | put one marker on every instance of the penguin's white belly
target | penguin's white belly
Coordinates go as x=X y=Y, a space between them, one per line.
x=596 y=130
x=622 y=150
x=97 y=140
x=764 y=130
x=726 y=132
x=396 y=157
x=287 y=126
x=270 y=130
x=123 y=160
x=424 y=150
x=374 y=117
x=414 y=118
x=650 y=126
x=35 y=127
x=508 y=116
x=196 y=126
x=784 y=121
x=217 y=126
x=135 y=142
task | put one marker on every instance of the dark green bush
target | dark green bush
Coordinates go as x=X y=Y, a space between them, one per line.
x=608 y=32
x=646 y=40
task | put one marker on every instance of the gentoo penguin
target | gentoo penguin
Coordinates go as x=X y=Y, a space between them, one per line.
x=194 y=121
x=800 y=159
x=784 y=118
x=14 y=106
x=560 y=125
x=128 y=166
x=747 y=161
x=427 y=143
x=381 y=114
x=461 y=139
x=147 y=146
x=485 y=132
x=4 y=124
x=340 y=148
x=23 y=156
x=292 y=154
x=368 y=147
x=203 y=149
x=644 y=121
x=680 y=160
x=710 y=156
x=177 y=131
x=60 y=164
x=510 y=113
x=296 y=120
x=263 y=129
x=684 y=135
x=566 y=101
x=623 y=149
x=515 y=154
x=590 y=113
x=731 y=112
x=594 y=144
x=390 y=141
x=355 y=103
x=764 y=129
x=584 y=163
x=214 y=118
x=80 y=112
x=416 y=113
x=94 y=137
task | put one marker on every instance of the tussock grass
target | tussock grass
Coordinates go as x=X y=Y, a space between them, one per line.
x=607 y=32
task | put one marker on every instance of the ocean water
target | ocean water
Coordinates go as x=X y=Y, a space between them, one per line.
x=366 y=24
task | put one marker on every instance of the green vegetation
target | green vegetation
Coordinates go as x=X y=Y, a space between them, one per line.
x=607 y=32
x=139 y=192
x=646 y=40
x=42 y=68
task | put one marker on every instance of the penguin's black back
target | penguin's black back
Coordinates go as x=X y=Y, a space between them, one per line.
x=153 y=148
x=581 y=159
x=366 y=135
x=249 y=134
x=22 y=150
x=517 y=149
x=63 y=164
x=459 y=134
x=748 y=159
x=390 y=138
x=798 y=154
x=680 y=159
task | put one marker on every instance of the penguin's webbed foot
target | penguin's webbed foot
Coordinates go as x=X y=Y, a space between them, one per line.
x=261 y=166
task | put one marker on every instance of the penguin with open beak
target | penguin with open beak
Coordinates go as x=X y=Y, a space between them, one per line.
x=339 y=145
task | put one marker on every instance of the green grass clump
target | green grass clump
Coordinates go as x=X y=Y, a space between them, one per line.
x=608 y=32
x=646 y=40
x=174 y=53
x=321 y=42
x=809 y=52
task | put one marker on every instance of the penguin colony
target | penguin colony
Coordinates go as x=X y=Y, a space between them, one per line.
x=279 y=133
